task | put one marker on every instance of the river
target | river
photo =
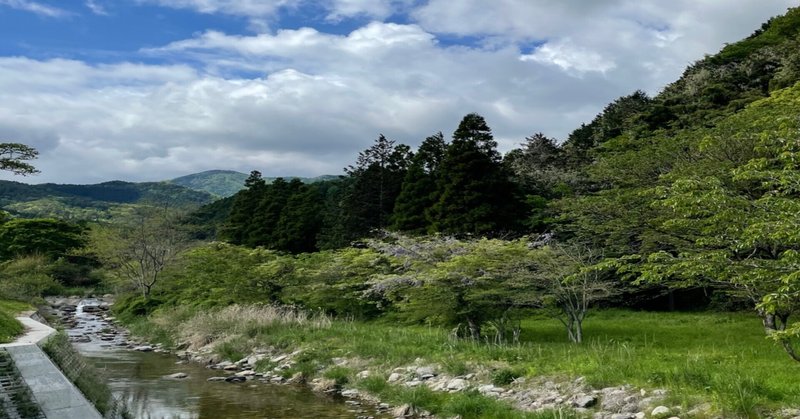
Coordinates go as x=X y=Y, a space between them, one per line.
x=139 y=379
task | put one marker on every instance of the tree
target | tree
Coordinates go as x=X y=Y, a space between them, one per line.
x=570 y=284
x=13 y=157
x=466 y=283
x=48 y=237
x=475 y=193
x=376 y=180
x=737 y=223
x=146 y=246
x=418 y=191
x=245 y=204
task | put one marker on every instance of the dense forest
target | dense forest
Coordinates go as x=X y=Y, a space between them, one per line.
x=684 y=200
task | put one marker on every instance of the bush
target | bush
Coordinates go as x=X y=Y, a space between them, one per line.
x=506 y=376
x=26 y=279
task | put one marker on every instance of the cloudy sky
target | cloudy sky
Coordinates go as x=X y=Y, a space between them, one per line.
x=154 y=89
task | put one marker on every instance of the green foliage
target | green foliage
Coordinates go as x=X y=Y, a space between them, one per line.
x=10 y=327
x=340 y=375
x=14 y=157
x=100 y=202
x=52 y=238
x=26 y=278
x=475 y=194
x=218 y=274
x=506 y=376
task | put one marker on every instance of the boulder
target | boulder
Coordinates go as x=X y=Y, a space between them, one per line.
x=457 y=384
x=585 y=401
x=351 y=393
x=660 y=412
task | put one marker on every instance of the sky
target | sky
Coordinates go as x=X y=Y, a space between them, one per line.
x=148 y=90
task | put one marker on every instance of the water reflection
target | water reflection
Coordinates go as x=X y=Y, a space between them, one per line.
x=138 y=378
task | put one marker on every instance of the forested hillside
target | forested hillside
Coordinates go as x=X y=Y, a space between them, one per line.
x=93 y=202
x=225 y=183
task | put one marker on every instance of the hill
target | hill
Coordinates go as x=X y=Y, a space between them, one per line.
x=93 y=202
x=225 y=183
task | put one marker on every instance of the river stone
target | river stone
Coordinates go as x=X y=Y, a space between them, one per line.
x=177 y=376
x=363 y=374
x=457 y=384
x=350 y=393
x=143 y=348
x=660 y=412
x=622 y=416
x=216 y=378
x=585 y=401
x=425 y=371
x=394 y=377
x=235 y=379
x=402 y=411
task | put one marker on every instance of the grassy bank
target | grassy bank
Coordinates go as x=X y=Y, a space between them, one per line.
x=10 y=327
x=722 y=358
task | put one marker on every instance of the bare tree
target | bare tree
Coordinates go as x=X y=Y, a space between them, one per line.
x=148 y=245
x=570 y=284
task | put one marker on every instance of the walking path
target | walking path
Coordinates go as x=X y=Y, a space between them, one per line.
x=56 y=395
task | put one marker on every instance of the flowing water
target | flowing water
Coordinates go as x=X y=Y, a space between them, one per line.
x=139 y=379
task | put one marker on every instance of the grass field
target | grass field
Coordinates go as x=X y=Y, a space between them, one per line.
x=722 y=358
x=9 y=326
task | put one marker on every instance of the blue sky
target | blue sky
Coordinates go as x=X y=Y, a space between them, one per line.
x=154 y=89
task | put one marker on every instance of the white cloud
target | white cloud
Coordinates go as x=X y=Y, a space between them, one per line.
x=318 y=98
x=249 y=8
x=96 y=7
x=570 y=57
x=35 y=7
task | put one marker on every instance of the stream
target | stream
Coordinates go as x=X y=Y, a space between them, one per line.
x=138 y=378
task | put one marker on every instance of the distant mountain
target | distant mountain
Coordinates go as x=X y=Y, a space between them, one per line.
x=225 y=183
x=94 y=202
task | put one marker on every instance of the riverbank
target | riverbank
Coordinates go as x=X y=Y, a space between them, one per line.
x=694 y=365
x=153 y=383
x=10 y=327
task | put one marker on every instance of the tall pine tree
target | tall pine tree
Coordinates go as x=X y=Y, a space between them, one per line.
x=475 y=193
x=418 y=192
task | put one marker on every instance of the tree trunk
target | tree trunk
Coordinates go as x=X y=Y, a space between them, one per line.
x=775 y=323
x=474 y=329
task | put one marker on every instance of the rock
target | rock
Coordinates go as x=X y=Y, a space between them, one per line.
x=216 y=378
x=639 y=415
x=585 y=401
x=413 y=383
x=457 y=384
x=177 y=376
x=297 y=378
x=425 y=371
x=143 y=348
x=278 y=358
x=231 y=367
x=351 y=393
x=660 y=412
x=621 y=416
x=324 y=385
x=394 y=377
x=486 y=388
x=402 y=411
x=235 y=379
x=363 y=374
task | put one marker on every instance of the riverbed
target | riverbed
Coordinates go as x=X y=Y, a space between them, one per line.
x=140 y=379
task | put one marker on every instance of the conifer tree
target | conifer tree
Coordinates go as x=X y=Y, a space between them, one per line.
x=418 y=192
x=475 y=193
x=237 y=229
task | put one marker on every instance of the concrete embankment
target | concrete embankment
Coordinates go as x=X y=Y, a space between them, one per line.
x=56 y=396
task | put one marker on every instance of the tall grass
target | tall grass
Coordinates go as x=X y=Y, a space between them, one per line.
x=722 y=358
